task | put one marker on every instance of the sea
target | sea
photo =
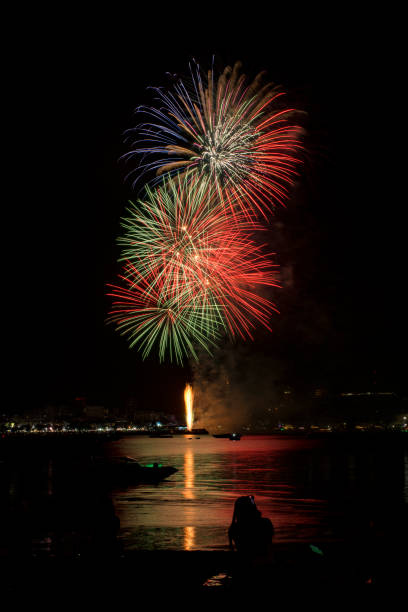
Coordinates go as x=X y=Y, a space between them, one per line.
x=316 y=490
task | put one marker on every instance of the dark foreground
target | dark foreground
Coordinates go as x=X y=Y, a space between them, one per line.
x=59 y=538
x=334 y=568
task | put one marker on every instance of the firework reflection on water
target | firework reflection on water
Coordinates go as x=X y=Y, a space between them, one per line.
x=305 y=486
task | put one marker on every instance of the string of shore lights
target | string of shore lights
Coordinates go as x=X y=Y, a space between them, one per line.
x=223 y=155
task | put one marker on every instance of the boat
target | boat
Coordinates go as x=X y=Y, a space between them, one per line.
x=129 y=470
x=229 y=436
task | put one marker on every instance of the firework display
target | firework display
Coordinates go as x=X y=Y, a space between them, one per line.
x=190 y=270
x=194 y=266
x=241 y=138
x=175 y=327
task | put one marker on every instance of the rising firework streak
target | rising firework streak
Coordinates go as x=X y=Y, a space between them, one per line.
x=189 y=402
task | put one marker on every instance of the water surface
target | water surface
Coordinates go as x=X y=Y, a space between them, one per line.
x=312 y=490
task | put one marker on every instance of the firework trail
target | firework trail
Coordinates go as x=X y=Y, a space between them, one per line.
x=174 y=326
x=240 y=137
x=191 y=272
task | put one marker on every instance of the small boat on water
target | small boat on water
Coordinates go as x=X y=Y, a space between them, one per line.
x=127 y=469
x=230 y=436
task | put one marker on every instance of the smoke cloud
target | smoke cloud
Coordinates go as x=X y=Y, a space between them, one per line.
x=234 y=388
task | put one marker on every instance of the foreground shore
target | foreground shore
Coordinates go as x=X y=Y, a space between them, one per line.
x=333 y=566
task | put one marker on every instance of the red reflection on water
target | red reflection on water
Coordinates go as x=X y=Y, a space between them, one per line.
x=302 y=485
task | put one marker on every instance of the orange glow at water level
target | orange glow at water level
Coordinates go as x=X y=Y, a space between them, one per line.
x=189 y=538
x=189 y=400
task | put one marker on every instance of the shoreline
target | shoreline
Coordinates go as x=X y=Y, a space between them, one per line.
x=213 y=571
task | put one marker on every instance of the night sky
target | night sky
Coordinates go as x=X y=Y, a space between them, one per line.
x=73 y=88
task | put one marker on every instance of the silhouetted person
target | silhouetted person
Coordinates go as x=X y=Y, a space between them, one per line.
x=251 y=535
